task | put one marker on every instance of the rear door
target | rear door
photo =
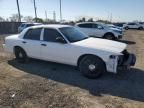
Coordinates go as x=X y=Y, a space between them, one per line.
x=132 y=25
x=87 y=28
x=31 y=42
x=98 y=30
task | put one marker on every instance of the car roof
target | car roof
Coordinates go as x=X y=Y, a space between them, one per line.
x=89 y=23
x=31 y=23
x=110 y=25
x=56 y=26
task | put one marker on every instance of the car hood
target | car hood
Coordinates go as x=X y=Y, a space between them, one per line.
x=102 y=44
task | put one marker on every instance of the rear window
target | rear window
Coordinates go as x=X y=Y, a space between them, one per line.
x=33 y=34
x=86 y=25
x=131 y=24
x=29 y=25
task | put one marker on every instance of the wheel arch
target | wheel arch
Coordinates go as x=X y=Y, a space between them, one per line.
x=16 y=47
x=82 y=56
x=109 y=33
x=141 y=27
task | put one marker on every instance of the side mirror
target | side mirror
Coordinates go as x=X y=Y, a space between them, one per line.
x=60 y=40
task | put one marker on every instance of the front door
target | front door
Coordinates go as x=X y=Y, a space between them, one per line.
x=52 y=50
x=98 y=30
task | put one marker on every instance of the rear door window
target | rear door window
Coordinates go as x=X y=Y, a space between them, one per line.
x=33 y=34
x=88 y=25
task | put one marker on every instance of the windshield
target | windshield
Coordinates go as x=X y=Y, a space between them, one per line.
x=72 y=34
x=22 y=25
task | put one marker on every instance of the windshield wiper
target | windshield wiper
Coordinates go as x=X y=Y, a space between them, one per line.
x=80 y=39
x=85 y=38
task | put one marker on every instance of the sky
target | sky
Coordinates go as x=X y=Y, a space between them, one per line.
x=118 y=10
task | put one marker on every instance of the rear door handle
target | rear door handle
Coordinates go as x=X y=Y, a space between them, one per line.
x=24 y=42
x=43 y=45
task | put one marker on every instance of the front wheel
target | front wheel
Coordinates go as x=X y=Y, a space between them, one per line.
x=140 y=28
x=21 y=55
x=92 y=67
x=126 y=28
x=109 y=36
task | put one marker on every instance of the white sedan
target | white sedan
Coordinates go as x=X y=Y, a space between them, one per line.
x=65 y=44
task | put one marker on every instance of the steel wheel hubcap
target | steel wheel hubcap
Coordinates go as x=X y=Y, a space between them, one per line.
x=20 y=55
x=92 y=67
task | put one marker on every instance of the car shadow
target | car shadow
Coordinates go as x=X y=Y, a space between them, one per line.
x=127 y=42
x=125 y=84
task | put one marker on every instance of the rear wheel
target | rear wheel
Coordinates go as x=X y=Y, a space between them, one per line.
x=21 y=55
x=92 y=67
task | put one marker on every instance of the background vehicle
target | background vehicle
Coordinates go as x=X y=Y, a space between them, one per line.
x=117 y=27
x=25 y=25
x=133 y=25
x=67 y=45
x=119 y=24
x=142 y=24
x=96 y=29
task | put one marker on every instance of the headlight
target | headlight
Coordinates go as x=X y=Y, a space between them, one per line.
x=118 y=57
x=120 y=60
x=112 y=56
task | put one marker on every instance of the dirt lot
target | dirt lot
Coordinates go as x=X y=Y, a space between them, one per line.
x=42 y=84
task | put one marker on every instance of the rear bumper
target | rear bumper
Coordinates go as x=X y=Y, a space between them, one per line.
x=7 y=49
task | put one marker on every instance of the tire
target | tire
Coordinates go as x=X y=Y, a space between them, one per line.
x=21 y=55
x=140 y=28
x=109 y=36
x=126 y=28
x=92 y=67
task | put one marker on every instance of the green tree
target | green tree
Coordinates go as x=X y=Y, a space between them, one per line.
x=90 y=20
x=39 y=20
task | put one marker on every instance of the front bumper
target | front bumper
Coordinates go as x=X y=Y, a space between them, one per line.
x=120 y=36
x=127 y=60
x=130 y=61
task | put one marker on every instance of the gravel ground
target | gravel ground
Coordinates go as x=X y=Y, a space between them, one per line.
x=42 y=84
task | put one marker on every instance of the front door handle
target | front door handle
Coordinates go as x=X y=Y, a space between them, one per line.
x=43 y=45
x=24 y=42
